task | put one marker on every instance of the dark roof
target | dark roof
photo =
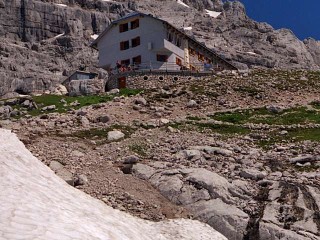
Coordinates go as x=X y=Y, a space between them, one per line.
x=135 y=14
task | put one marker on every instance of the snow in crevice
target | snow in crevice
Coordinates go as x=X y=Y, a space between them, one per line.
x=61 y=5
x=182 y=3
x=213 y=14
x=187 y=28
x=94 y=36
x=37 y=204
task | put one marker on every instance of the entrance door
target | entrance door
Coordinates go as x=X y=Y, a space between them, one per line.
x=122 y=82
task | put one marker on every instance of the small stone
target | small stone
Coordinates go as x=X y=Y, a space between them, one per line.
x=114 y=91
x=192 y=103
x=103 y=119
x=131 y=159
x=80 y=180
x=55 y=166
x=77 y=153
x=141 y=101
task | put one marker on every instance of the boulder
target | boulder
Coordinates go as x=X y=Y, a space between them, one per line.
x=55 y=166
x=115 y=135
x=143 y=171
x=226 y=219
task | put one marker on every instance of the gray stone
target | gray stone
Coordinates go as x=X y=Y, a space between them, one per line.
x=11 y=102
x=115 y=135
x=55 y=166
x=131 y=159
x=303 y=159
x=80 y=180
x=76 y=153
x=253 y=174
x=26 y=103
x=103 y=119
x=143 y=171
x=192 y=103
x=226 y=219
x=141 y=101
x=275 y=109
x=66 y=176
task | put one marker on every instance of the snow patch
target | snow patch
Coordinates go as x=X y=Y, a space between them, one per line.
x=212 y=13
x=94 y=36
x=252 y=53
x=61 y=5
x=187 y=28
x=182 y=3
x=37 y=204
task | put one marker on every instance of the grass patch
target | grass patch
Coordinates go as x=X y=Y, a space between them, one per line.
x=99 y=133
x=140 y=149
x=64 y=103
x=224 y=129
x=219 y=128
x=294 y=135
x=299 y=115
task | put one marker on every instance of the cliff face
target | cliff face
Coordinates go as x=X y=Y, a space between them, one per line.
x=42 y=41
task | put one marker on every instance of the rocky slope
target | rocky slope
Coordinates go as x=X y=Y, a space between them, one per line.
x=43 y=41
x=239 y=152
x=36 y=204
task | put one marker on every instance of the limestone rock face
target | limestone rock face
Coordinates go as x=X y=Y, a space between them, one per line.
x=42 y=42
x=33 y=197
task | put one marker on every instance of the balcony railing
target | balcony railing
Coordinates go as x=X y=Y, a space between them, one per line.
x=165 y=67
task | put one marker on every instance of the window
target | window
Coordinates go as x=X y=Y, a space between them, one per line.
x=170 y=37
x=162 y=58
x=136 y=60
x=124 y=27
x=178 y=61
x=125 y=62
x=178 y=42
x=124 y=45
x=135 y=24
x=135 y=42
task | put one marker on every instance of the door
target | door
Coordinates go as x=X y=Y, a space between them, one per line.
x=122 y=82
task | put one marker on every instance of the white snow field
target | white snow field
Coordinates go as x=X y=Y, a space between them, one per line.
x=37 y=204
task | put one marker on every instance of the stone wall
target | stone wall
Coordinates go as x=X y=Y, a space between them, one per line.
x=153 y=80
x=86 y=87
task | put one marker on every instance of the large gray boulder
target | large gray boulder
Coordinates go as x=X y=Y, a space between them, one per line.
x=227 y=219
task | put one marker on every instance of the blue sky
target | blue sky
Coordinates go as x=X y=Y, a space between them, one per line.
x=301 y=16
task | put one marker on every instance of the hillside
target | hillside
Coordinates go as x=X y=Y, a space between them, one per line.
x=237 y=151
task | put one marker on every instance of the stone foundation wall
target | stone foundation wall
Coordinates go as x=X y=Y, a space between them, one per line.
x=152 y=80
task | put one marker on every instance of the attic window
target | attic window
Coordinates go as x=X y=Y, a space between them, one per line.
x=135 y=24
x=124 y=45
x=135 y=42
x=162 y=58
x=123 y=27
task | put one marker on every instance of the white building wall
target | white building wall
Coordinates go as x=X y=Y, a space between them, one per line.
x=150 y=31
